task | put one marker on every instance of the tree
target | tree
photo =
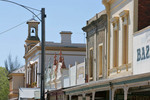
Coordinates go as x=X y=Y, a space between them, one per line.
x=4 y=84
x=11 y=65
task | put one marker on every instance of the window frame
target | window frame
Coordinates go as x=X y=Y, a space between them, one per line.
x=100 y=68
x=91 y=62
x=125 y=33
x=115 y=23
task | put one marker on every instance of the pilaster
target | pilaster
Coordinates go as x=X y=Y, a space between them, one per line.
x=125 y=93
x=70 y=97
x=93 y=95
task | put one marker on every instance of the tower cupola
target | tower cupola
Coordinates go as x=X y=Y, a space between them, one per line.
x=33 y=30
x=32 y=38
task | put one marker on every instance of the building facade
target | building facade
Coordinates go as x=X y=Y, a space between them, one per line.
x=77 y=74
x=126 y=18
x=127 y=74
x=16 y=80
x=95 y=66
x=62 y=77
x=96 y=47
x=58 y=74
x=71 y=52
x=58 y=79
x=117 y=56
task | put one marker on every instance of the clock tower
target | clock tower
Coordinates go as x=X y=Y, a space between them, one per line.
x=32 y=38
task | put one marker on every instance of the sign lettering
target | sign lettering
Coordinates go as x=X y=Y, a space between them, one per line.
x=142 y=54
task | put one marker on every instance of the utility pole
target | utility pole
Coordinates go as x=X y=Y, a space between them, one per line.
x=42 y=89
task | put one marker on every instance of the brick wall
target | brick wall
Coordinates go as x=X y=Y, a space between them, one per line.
x=143 y=14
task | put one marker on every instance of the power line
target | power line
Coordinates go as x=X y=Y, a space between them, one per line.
x=26 y=7
x=12 y=28
x=16 y=26
x=20 y=5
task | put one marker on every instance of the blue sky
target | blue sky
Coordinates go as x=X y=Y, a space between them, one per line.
x=62 y=15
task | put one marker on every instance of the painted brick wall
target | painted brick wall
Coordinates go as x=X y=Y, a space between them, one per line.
x=143 y=14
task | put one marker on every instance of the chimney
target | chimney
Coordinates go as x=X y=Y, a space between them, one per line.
x=66 y=37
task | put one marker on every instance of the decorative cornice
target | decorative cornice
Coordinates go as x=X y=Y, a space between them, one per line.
x=32 y=41
x=65 y=32
x=114 y=20
x=36 y=48
x=124 y=13
x=33 y=21
x=115 y=23
x=94 y=23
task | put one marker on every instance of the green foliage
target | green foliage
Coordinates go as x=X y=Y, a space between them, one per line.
x=4 y=84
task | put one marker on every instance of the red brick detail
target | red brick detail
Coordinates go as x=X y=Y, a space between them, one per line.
x=55 y=59
x=63 y=63
x=143 y=14
x=86 y=78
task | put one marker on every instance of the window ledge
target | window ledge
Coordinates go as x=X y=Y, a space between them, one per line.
x=91 y=78
x=100 y=76
x=119 y=68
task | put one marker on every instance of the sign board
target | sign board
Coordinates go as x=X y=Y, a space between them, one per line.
x=141 y=51
x=36 y=94
x=81 y=73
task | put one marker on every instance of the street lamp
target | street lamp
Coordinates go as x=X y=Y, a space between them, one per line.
x=43 y=16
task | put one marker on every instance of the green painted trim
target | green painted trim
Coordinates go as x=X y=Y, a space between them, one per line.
x=105 y=85
x=133 y=81
x=88 y=88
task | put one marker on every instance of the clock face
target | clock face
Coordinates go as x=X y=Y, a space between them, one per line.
x=32 y=31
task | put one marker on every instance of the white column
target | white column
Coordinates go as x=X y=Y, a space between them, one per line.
x=63 y=96
x=113 y=93
x=94 y=61
x=76 y=63
x=80 y=97
x=35 y=72
x=87 y=97
x=126 y=93
x=83 y=98
x=110 y=94
x=70 y=97
x=38 y=71
x=93 y=95
x=27 y=76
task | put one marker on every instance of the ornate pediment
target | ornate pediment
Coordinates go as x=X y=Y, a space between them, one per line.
x=124 y=15
x=115 y=22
